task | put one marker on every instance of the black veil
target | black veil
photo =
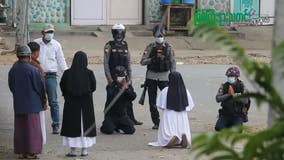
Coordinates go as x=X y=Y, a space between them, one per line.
x=177 y=96
x=78 y=79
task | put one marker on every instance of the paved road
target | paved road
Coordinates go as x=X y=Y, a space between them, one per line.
x=202 y=81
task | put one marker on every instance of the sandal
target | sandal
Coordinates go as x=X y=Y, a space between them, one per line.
x=21 y=156
x=32 y=156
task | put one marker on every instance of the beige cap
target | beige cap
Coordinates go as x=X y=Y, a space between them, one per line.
x=48 y=27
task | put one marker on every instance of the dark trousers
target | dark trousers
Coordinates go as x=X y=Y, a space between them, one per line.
x=111 y=124
x=130 y=112
x=152 y=93
x=227 y=121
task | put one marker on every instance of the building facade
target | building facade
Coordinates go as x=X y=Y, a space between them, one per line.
x=131 y=12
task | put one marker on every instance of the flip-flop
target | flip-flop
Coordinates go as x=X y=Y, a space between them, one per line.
x=21 y=156
x=33 y=156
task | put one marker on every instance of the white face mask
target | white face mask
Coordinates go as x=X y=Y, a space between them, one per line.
x=231 y=80
x=119 y=79
x=160 y=39
x=48 y=36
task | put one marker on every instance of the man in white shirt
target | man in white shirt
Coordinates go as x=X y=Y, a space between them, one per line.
x=51 y=58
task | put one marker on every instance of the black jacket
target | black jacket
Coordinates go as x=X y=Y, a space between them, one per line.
x=119 y=108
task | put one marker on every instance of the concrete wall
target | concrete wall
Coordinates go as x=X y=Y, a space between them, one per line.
x=48 y=11
x=218 y=5
x=152 y=12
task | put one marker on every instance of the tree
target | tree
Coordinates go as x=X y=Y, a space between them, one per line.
x=268 y=81
x=277 y=61
x=21 y=21
x=21 y=9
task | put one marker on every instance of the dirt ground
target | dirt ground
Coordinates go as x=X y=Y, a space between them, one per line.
x=188 y=50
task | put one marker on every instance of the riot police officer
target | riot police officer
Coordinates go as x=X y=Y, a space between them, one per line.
x=160 y=60
x=116 y=53
x=233 y=111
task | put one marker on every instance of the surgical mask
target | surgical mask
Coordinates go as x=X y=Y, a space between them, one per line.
x=231 y=80
x=159 y=39
x=48 y=36
x=119 y=79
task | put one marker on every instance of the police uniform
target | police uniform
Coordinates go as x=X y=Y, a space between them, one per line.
x=231 y=112
x=160 y=61
x=116 y=54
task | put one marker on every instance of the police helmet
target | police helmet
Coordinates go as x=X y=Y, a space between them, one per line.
x=120 y=71
x=23 y=51
x=233 y=72
x=159 y=30
x=118 y=32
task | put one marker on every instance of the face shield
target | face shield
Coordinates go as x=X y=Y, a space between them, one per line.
x=118 y=34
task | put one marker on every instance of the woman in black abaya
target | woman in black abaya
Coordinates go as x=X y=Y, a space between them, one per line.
x=77 y=85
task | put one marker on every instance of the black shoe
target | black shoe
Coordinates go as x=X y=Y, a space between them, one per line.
x=117 y=130
x=84 y=155
x=55 y=130
x=70 y=155
x=155 y=126
x=138 y=123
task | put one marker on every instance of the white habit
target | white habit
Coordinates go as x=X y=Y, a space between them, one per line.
x=172 y=123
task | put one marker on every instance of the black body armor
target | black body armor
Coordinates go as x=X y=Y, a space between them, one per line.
x=118 y=55
x=160 y=59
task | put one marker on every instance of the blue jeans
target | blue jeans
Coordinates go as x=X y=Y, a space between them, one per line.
x=227 y=121
x=51 y=90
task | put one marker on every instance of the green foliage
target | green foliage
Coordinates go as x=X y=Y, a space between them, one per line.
x=264 y=145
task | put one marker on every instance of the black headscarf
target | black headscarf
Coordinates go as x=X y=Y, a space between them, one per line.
x=177 y=96
x=78 y=78
x=80 y=61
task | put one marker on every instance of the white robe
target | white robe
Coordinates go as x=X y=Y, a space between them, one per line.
x=42 y=126
x=79 y=142
x=172 y=123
